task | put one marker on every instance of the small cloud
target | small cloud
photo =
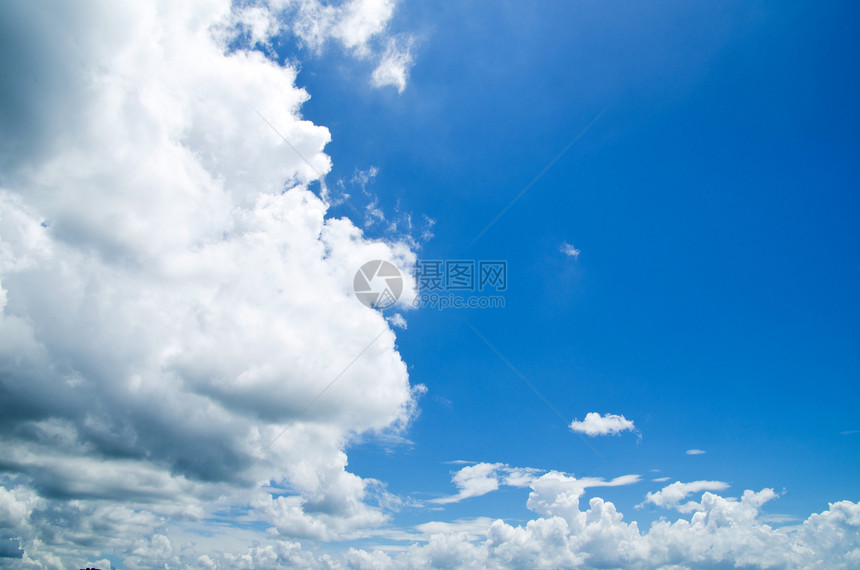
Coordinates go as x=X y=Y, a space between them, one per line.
x=569 y=250
x=520 y=476
x=670 y=497
x=778 y=519
x=482 y=478
x=695 y=452
x=393 y=69
x=594 y=424
x=364 y=177
x=373 y=214
x=849 y=432
x=475 y=528
x=442 y=401
x=386 y=440
x=397 y=320
x=660 y=479
x=473 y=481
x=427 y=233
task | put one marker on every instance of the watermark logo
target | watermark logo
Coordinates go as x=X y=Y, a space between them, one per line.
x=378 y=284
x=461 y=275
x=442 y=301
x=440 y=284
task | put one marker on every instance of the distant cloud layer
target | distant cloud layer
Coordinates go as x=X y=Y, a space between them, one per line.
x=721 y=533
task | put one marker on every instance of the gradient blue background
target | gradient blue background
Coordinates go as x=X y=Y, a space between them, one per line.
x=715 y=202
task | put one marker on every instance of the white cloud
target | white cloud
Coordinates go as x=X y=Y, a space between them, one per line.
x=519 y=476
x=475 y=528
x=393 y=68
x=360 y=20
x=353 y=24
x=259 y=22
x=482 y=478
x=558 y=494
x=725 y=533
x=474 y=481
x=609 y=424
x=16 y=506
x=569 y=250
x=172 y=295
x=778 y=518
x=695 y=452
x=358 y=26
x=670 y=497
x=397 y=320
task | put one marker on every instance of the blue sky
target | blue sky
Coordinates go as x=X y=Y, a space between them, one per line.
x=714 y=202
x=188 y=189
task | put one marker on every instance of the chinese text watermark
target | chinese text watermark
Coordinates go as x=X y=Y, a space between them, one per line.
x=440 y=284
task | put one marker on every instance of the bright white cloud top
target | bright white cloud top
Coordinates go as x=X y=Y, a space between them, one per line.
x=595 y=424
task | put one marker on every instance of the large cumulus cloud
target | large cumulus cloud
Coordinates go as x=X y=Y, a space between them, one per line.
x=173 y=294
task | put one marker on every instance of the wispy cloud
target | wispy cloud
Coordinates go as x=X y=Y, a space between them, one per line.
x=393 y=68
x=569 y=250
x=670 y=497
x=483 y=478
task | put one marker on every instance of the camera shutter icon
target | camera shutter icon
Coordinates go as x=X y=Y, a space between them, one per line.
x=378 y=284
